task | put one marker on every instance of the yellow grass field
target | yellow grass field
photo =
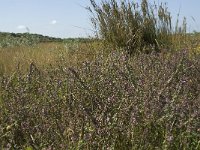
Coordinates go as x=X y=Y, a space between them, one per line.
x=45 y=54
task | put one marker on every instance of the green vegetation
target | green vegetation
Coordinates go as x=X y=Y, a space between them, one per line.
x=91 y=94
x=17 y=39
x=135 y=27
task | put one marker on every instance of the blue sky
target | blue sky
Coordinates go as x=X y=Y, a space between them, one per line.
x=68 y=18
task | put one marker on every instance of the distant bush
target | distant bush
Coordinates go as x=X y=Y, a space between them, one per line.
x=24 y=39
x=12 y=40
x=132 y=26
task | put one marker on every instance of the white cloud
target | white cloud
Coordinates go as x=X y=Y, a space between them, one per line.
x=53 y=22
x=21 y=27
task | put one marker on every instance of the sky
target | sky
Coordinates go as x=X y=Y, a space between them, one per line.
x=69 y=18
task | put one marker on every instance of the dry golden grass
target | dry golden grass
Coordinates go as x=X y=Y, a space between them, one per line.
x=45 y=54
x=41 y=54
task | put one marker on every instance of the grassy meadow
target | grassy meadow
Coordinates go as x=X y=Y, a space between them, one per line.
x=136 y=86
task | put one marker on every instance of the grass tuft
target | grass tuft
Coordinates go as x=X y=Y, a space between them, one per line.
x=135 y=27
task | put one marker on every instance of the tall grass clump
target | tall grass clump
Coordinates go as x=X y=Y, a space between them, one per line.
x=133 y=26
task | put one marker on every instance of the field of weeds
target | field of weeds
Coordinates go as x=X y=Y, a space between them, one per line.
x=101 y=95
x=143 y=102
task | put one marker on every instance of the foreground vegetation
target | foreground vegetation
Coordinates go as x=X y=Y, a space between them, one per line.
x=102 y=94
x=145 y=102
